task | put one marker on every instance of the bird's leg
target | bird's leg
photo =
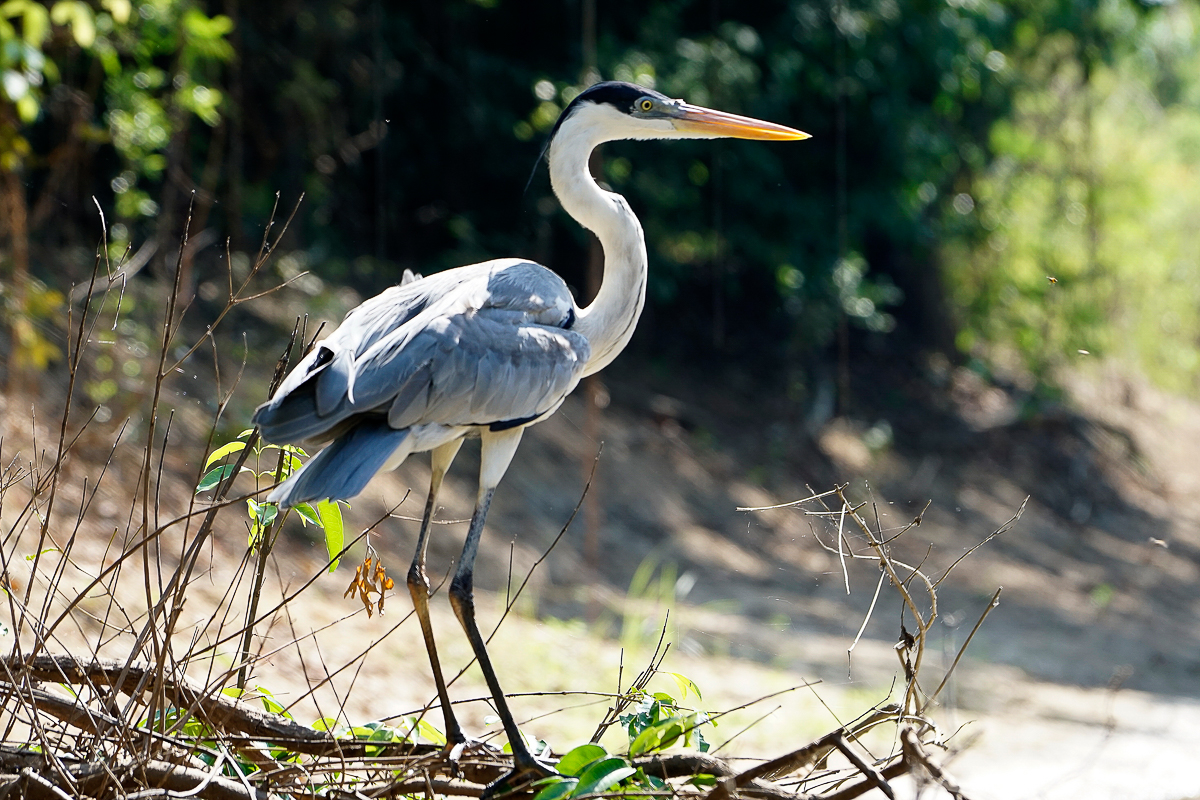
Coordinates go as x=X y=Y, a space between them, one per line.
x=525 y=766
x=496 y=453
x=418 y=587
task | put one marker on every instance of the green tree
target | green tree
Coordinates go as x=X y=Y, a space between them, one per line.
x=76 y=77
x=1085 y=244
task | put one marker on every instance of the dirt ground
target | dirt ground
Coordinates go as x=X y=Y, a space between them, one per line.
x=1084 y=682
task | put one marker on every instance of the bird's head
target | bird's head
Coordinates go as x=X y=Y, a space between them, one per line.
x=618 y=110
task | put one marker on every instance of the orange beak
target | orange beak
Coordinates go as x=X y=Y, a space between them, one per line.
x=706 y=121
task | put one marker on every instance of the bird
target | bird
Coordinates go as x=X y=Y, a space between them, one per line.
x=482 y=350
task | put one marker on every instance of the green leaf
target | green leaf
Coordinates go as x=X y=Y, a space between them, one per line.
x=217 y=475
x=270 y=704
x=327 y=724
x=659 y=736
x=335 y=534
x=685 y=685
x=580 y=758
x=430 y=733
x=120 y=9
x=603 y=775
x=28 y=108
x=267 y=513
x=282 y=754
x=197 y=729
x=383 y=734
x=79 y=16
x=62 y=11
x=35 y=24
x=557 y=789
x=261 y=517
x=197 y=24
x=224 y=450
x=32 y=556
x=308 y=514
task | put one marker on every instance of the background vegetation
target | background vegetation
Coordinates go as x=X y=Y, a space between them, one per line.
x=964 y=153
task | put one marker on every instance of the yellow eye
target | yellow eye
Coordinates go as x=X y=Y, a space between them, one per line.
x=646 y=104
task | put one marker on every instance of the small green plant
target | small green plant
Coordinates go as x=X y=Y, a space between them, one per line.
x=381 y=734
x=205 y=741
x=655 y=723
x=326 y=515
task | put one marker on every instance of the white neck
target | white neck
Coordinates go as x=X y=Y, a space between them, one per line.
x=608 y=322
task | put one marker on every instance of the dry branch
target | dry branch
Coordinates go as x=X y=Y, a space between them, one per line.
x=95 y=778
x=686 y=765
x=221 y=712
x=243 y=726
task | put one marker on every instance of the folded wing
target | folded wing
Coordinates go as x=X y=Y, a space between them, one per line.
x=487 y=345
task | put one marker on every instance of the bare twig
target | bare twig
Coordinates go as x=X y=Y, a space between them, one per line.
x=995 y=601
x=1002 y=529
x=914 y=754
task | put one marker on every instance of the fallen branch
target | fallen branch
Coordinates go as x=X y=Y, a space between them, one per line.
x=221 y=712
x=93 y=778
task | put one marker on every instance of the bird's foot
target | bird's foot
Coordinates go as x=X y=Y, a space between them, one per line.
x=520 y=781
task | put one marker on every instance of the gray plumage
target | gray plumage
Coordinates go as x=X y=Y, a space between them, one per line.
x=344 y=468
x=486 y=345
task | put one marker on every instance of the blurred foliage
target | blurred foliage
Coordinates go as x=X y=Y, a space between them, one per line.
x=1087 y=213
x=129 y=75
x=31 y=348
x=964 y=152
x=76 y=77
x=160 y=70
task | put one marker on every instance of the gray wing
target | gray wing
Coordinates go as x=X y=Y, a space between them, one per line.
x=484 y=345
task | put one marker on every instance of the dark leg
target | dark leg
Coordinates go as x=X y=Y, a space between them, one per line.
x=496 y=453
x=418 y=587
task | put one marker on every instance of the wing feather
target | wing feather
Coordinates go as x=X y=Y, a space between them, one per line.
x=477 y=345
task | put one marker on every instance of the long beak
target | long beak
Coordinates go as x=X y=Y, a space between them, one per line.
x=710 y=123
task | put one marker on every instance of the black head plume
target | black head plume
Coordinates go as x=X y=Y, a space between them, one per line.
x=621 y=95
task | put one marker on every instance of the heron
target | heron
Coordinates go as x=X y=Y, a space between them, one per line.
x=482 y=350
